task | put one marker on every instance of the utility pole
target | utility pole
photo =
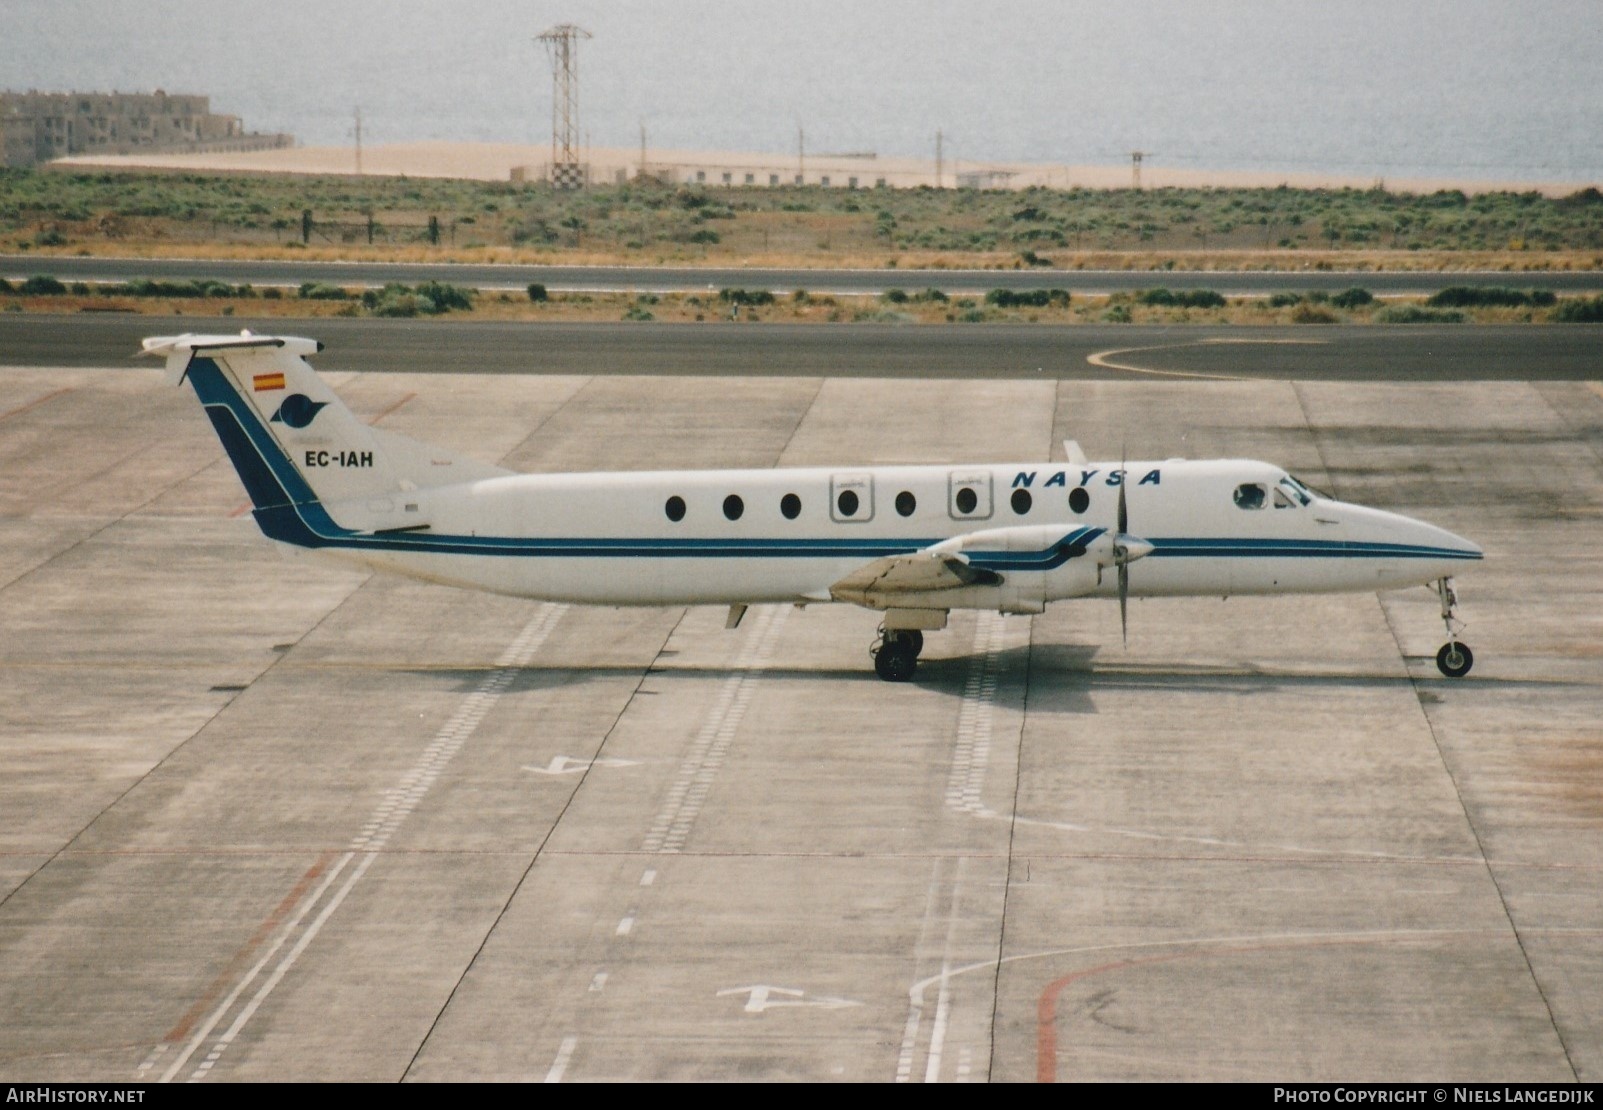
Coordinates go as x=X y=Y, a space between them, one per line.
x=642 y=170
x=359 y=141
x=801 y=155
x=939 y=158
x=562 y=46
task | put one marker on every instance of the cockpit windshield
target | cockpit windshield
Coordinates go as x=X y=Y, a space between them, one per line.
x=1308 y=490
x=1291 y=494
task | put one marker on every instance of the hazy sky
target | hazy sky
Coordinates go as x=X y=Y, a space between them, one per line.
x=1467 y=83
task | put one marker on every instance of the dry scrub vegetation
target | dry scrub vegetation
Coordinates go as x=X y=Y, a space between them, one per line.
x=150 y=214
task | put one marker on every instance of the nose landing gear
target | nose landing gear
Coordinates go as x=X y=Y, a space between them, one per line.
x=896 y=654
x=1453 y=659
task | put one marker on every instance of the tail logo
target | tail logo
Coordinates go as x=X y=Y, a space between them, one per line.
x=298 y=410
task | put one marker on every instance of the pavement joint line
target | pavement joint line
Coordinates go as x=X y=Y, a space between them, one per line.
x=204 y=725
x=1491 y=872
x=540 y=851
x=391 y=815
x=964 y=793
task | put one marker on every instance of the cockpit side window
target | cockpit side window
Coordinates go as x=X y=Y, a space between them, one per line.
x=1250 y=495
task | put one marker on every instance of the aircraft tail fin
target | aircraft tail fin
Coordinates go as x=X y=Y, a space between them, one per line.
x=291 y=438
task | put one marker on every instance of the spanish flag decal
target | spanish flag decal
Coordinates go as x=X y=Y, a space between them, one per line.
x=268 y=381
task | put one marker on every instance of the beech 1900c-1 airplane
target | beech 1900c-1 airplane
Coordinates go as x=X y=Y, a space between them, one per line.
x=913 y=542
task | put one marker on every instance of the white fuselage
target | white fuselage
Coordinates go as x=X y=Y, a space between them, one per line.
x=612 y=538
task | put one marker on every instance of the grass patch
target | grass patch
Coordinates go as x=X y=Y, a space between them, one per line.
x=1312 y=314
x=1417 y=314
x=1184 y=298
x=1027 y=298
x=1353 y=298
x=1578 y=310
x=1467 y=296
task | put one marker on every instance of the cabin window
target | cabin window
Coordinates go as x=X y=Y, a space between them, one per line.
x=1021 y=501
x=906 y=503
x=1079 y=500
x=675 y=508
x=967 y=500
x=847 y=503
x=1250 y=495
x=734 y=506
x=790 y=505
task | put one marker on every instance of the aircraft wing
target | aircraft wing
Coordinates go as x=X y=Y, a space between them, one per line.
x=916 y=573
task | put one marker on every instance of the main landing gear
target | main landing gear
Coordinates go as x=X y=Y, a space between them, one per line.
x=896 y=654
x=1454 y=659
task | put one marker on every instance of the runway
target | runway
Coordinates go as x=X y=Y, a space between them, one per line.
x=1391 y=353
x=693 y=279
x=266 y=819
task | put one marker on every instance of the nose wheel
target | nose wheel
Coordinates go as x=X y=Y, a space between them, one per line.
x=1454 y=659
x=896 y=653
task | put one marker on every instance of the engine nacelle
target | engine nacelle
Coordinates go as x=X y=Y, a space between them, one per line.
x=1037 y=563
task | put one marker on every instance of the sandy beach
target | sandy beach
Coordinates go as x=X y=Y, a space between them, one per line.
x=609 y=165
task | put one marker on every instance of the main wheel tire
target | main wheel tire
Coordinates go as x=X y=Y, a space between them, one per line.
x=915 y=640
x=1454 y=660
x=895 y=661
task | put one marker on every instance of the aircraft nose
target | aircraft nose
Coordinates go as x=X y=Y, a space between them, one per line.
x=1441 y=543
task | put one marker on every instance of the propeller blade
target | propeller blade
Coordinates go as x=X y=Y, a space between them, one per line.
x=1124 y=597
x=1124 y=516
x=1122 y=555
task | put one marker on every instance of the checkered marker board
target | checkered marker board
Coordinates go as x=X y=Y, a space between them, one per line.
x=567 y=175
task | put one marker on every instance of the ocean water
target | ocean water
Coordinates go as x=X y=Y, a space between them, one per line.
x=1472 y=89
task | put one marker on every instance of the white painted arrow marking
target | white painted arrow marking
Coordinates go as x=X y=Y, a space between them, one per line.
x=761 y=997
x=566 y=765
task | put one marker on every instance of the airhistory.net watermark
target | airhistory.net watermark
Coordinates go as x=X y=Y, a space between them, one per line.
x=40 y=1094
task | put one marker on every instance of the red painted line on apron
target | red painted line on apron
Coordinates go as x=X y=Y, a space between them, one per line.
x=392 y=408
x=34 y=403
x=242 y=957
